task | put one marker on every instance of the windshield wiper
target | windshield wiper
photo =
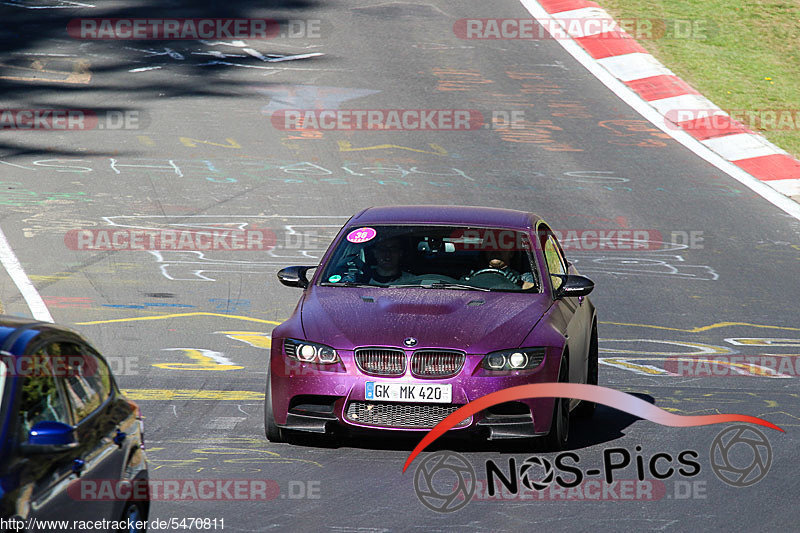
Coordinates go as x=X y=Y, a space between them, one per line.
x=453 y=285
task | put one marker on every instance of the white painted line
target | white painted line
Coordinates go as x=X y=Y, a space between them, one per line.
x=742 y=146
x=790 y=187
x=692 y=103
x=26 y=288
x=627 y=95
x=629 y=67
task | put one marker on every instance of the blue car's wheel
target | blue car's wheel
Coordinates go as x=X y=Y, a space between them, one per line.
x=133 y=513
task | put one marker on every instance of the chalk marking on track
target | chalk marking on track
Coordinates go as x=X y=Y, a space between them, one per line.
x=177 y=315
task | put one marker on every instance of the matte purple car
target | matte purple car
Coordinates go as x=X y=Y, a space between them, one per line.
x=415 y=311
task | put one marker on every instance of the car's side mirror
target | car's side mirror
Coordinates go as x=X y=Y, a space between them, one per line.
x=294 y=276
x=573 y=286
x=50 y=437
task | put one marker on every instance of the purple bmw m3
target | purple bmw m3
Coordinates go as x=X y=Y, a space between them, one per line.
x=415 y=311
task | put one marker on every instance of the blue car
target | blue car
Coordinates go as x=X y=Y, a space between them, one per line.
x=65 y=429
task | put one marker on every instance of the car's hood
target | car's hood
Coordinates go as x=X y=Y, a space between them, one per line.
x=473 y=321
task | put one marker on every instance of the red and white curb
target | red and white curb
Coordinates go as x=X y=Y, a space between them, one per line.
x=628 y=62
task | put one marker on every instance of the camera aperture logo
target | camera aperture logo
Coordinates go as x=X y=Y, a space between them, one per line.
x=445 y=481
x=728 y=452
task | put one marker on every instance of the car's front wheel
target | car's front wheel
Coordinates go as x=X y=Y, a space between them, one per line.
x=556 y=440
x=271 y=429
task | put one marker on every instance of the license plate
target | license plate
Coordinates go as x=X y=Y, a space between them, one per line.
x=408 y=392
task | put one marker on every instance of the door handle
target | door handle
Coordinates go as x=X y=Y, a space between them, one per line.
x=77 y=466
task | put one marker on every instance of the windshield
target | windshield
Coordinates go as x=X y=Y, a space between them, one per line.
x=435 y=257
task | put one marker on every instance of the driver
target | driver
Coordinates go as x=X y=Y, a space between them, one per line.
x=500 y=260
x=388 y=255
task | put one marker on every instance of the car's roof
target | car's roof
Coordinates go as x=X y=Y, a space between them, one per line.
x=446 y=214
x=9 y=324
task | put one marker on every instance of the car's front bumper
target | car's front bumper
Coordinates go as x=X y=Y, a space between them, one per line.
x=320 y=398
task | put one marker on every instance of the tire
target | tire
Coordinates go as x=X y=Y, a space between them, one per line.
x=557 y=439
x=136 y=512
x=586 y=409
x=271 y=429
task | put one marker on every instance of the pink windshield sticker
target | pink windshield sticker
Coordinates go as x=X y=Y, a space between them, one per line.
x=361 y=235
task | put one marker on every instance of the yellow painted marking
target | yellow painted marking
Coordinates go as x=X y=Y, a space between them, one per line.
x=627 y=365
x=704 y=349
x=203 y=362
x=218 y=450
x=145 y=140
x=347 y=146
x=193 y=394
x=192 y=143
x=80 y=73
x=178 y=315
x=51 y=278
x=702 y=328
x=750 y=368
x=253 y=338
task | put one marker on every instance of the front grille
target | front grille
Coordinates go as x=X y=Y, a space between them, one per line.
x=436 y=363
x=381 y=361
x=400 y=415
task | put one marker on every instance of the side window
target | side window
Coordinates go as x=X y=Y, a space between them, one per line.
x=86 y=378
x=555 y=262
x=41 y=400
x=101 y=377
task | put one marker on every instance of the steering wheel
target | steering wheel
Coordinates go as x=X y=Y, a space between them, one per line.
x=496 y=271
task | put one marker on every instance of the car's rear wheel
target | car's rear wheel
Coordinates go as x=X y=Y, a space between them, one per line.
x=271 y=429
x=556 y=440
x=586 y=409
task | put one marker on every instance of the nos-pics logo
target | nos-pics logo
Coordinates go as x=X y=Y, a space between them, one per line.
x=445 y=481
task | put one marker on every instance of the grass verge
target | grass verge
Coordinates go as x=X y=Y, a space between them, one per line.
x=743 y=55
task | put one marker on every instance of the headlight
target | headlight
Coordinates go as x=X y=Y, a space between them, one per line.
x=310 y=352
x=521 y=359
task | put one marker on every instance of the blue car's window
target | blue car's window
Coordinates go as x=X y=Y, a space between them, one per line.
x=3 y=375
x=87 y=380
x=433 y=257
x=41 y=400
